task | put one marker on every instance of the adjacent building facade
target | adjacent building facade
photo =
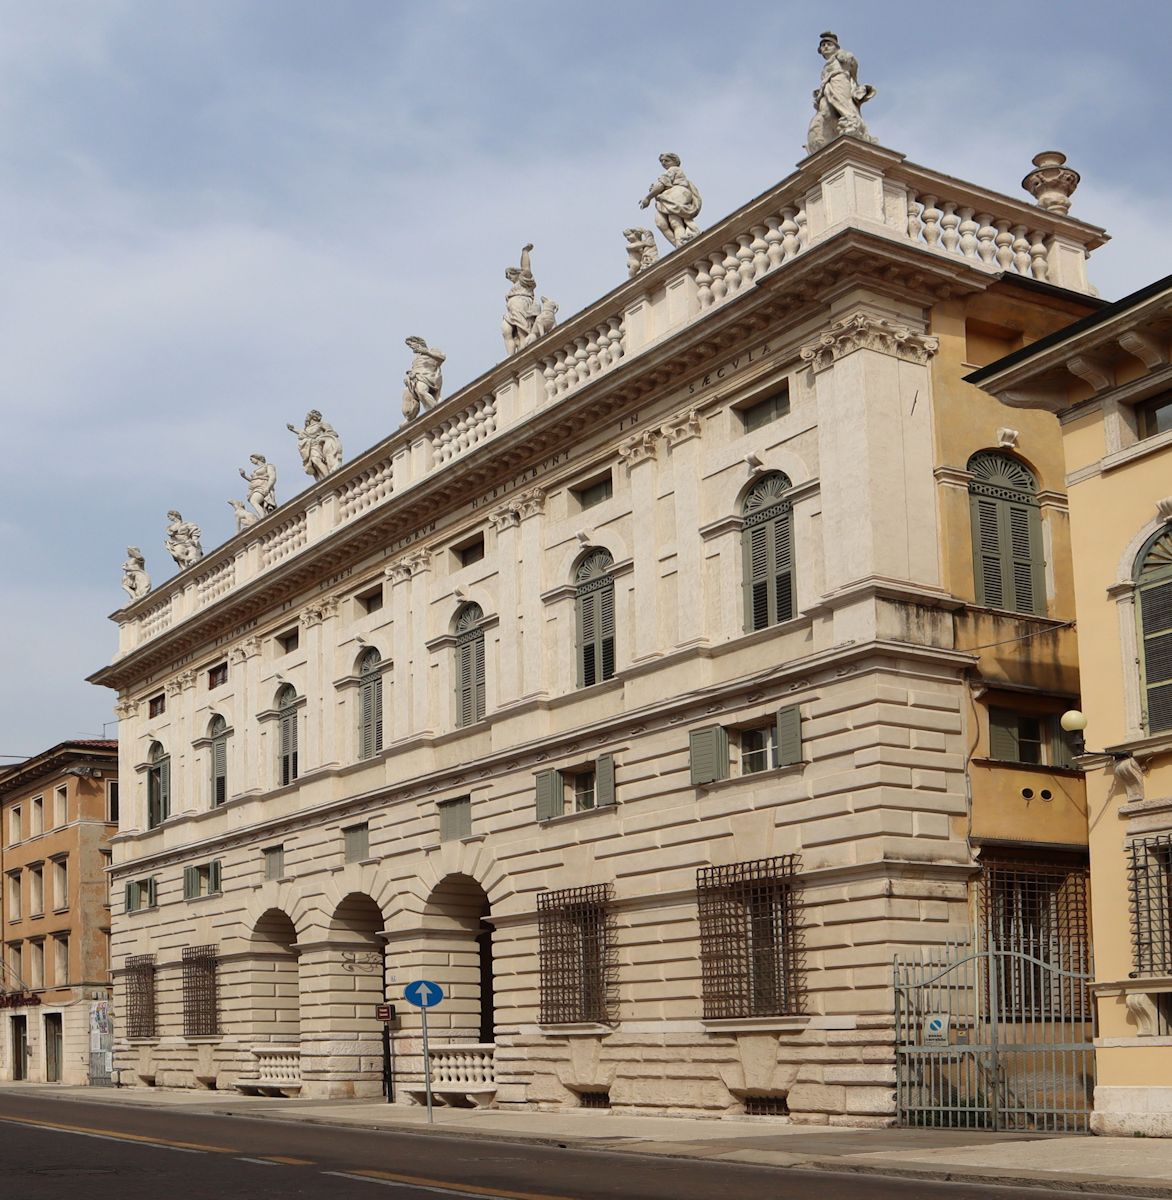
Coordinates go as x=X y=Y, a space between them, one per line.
x=1108 y=378
x=57 y=814
x=649 y=694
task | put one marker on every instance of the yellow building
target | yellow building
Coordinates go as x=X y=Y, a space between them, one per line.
x=1109 y=380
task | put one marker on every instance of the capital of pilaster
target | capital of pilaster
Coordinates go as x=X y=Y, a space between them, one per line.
x=531 y=503
x=639 y=448
x=125 y=709
x=505 y=517
x=865 y=332
x=409 y=566
x=682 y=427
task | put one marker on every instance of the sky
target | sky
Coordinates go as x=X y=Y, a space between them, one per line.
x=218 y=214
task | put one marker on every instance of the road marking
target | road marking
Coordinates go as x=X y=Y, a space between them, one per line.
x=441 y=1186
x=263 y=1162
x=115 y=1136
x=288 y=1162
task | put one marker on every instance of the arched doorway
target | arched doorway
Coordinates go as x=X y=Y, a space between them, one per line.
x=459 y=934
x=275 y=990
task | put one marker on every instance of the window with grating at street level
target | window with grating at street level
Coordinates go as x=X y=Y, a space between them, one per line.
x=575 y=933
x=201 y=1006
x=1149 y=875
x=140 y=996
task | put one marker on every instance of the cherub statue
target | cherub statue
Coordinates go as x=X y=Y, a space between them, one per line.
x=182 y=540
x=319 y=445
x=424 y=379
x=838 y=97
x=677 y=202
x=262 y=485
x=243 y=517
x=641 y=250
x=545 y=320
x=523 y=321
x=135 y=581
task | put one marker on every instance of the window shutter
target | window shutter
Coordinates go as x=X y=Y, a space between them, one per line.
x=219 y=770
x=708 y=751
x=366 y=720
x=587 y=636
x=1023 y=552
x=1061 y=754
x=131 y=895
x=478 y=676
x=755 y=543
x=987 y=559
x=465 y=684
x=606 y=629
x=152 y=892
x=789 y=736
x=1003 y=735
x=1155 y=609
x=783 y=564
x=550 y=796
x=190 y=883
x=455 y=819
x=604 y=781
x=214 y=876
x=164 y=789
x=376 y=687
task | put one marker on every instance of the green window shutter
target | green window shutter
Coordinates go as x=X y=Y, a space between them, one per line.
x=478 y=681
x=587 y=612
x=708 y=752
x=130 y=900
x=366 y=720
x=1003 y=735
x=190 y=883
x=376 y=703
x=455 y=819
x=214 y=876
x=604 y=781
x=1061 y=754
x=789 y=736
x=1155 y=617
x=987 y=558
x=756 y=552
x=550 y=795
x=606 y=630
x=164 y=789
x=219 y=770
x=152 y=892
x=783 y=560
x=1021 y=544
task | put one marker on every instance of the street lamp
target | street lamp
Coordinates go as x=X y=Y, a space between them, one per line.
x=1074 y=722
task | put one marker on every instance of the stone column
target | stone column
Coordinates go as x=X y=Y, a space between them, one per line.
x=530 y=511
x=505 y=521
x=402 y=651
x=682 y=435
x=639 y=455
x=422 y=713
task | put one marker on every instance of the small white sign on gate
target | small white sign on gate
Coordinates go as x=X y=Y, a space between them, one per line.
x=936 y=1029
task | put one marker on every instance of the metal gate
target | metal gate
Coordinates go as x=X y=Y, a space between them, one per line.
x=101 y=1045
x=994 y=1039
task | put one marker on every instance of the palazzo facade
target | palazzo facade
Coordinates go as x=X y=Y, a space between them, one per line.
x=649 y=694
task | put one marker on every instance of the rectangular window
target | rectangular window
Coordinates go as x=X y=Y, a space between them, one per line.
x=594 y=492
x=61 y=959
x=140 y=894
x=758 y=750
x=274 y=857
x=201 y=1003
x=1149 y=875
x=157 y=705
x=14 y=895
x=371 y=601
x=36 y=901
x=60 y=807
x=14 y=830
x=218 y=676
x=288 y=641
x=36 y=816
x=356 y=842
x=16 y=961
x=112 y=801
x=576 y=789
x=750 y=938
x=575 y=933
x=470 y=552
x=1155 y=415
x=201 y=880
x=762 y=412
x=140 y=996
x=455 y=819
x=60 y=884
x=778 y=744
x=36 y=965
x=1035 y=739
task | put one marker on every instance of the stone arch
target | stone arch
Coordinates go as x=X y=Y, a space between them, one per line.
x=457 y=931
x=272 y=980
x=777 y=461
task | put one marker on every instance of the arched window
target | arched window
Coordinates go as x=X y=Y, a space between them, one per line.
x=469 y=665
x=287 y=716
x=767 y=548
x=595 y=604
x=158 y=785
x=1153 y=578
x=218 y=732
x=370 y=712
x=1007 y=534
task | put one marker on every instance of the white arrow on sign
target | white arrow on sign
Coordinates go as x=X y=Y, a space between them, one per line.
x=425 y=994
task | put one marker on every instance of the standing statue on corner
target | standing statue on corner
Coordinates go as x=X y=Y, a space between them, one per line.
x=319 y=445
x=524 y=322
x=262 y=485
x=135 y=580
x=424 y=379
x=838 y=98
x=182 y=540
x=677 y=202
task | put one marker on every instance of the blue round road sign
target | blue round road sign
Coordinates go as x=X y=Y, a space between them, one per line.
x=423 y=993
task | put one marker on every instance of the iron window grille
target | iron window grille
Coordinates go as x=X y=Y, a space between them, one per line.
x=1037 y=915
x=201 y=1007
x=751 y=954
x=1149 y=874
x=575 y=932
x=140 y=996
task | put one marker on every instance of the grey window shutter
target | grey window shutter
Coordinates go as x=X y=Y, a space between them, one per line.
x=455 y=819
x=1155 y=614
x=1022 y=545
x=604 y=780
x=783 y=567
x=1061 y=754
x=214 y=876
x=152 y=892
x=376 y=703
x=987 y=556
x=219 y=770
x=366 y=727
x=129 y=903
x=550 y=796
x=755 y=547
x=606 y=630
x=587 y=639
x=708 y=751
x=789 y=736
x=478 y=676
x=164 y=789
x=190 y=882
x=1003 y=735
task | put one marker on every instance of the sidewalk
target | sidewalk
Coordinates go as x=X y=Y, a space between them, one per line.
x=1124 y=1166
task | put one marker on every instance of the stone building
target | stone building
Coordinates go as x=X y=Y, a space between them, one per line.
x=649 y=694
x=1108 y=378
x=58 y=811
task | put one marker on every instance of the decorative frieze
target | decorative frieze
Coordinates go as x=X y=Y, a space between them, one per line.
x=865 y=332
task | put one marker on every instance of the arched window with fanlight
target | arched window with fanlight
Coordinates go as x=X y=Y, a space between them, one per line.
x=1008 y=565
x=1153 y=587
x=370 y=704
x=469 y=630
x=287 y=724
x=158 y=785
x=767 y=546
x=594 y=581
x=218 y=735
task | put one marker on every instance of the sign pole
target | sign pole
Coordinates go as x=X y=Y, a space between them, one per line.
x=426 y=1065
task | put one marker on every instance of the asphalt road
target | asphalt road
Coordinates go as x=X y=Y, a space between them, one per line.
x=54 y=1149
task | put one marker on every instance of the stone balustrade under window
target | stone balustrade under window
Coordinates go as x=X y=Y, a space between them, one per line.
x=848 y=185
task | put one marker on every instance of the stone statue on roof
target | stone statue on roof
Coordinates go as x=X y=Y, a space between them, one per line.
x=838 y=98
x=524 y=320
x=641 y=250
x=424 y=379
x=677 y=201
x=262 y=485
x=319 y=445
x=182 y=540
x=135 y=580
